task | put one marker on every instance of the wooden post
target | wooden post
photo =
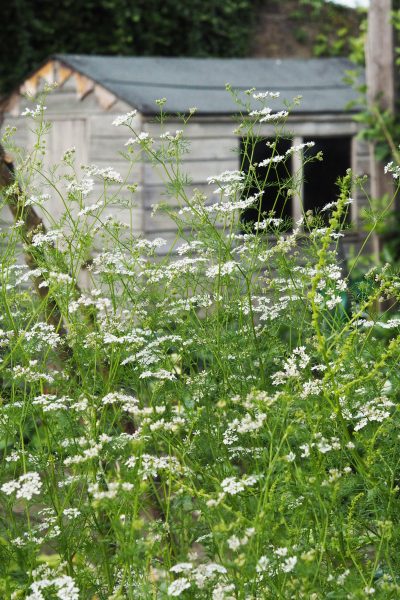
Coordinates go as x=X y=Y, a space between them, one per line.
x=380 y=88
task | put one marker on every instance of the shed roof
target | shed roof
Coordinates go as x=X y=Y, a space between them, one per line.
x=200 y=82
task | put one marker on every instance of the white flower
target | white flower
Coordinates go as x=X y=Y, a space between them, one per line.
x=124 y=119
x=223 y=592
x=84 y=187
x=39 y=239
x=35 y=112
x=229 y=182
x=161 y=374
x=25 y=486
x=264 y=95
x=92 y=208
x=262 y=564
x=232 y=485
x=178 y=586
x=369 y=591
x=43 y=334
x=289 y=564
x=64 y=585
x=71 y=513
x=394 y=169
x=233 y=542
x=291 y=457
x=37 y=200
x=265 y=114
x=142 y=137
x=107 y=173
x=267 y=223
x=222 y=269
x=181 y=567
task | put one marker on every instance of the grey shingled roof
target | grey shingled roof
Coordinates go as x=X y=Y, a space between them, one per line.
x=200 y=82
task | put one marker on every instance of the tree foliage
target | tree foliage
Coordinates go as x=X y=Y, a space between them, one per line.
x=33 y=30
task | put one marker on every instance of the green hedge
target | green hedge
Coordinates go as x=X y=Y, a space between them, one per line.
x=34 y=29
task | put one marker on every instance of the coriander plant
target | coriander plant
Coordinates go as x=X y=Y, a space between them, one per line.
x=213 y=420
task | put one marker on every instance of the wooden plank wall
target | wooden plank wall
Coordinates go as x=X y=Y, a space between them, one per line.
x=212 y=148
x=87 y=126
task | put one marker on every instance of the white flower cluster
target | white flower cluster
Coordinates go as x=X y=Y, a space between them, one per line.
x=161 y=374
x=233 y=485
x=229 y=183
x=248 y=424
x=279 y=561
x=124 y=119
x=84 y=187
x=223 y=591
x=330 y=287
x=321 y=443
x=178 y=586
x=198 y=576
x=151 y=353
x=292 y=367
x=28 y=112
x=173 y=425
x=31 y=374
x=128 y=402
x=25 y=486
x=393 y=169
x=234 y=542
x=265 y=95
x=37 y=200
x=91 y=208
x=42 y=334
x=334 y=475
x=142 y=138
x=63 y=585
x=71 y=513
x=183 y=266
x=55 y=278
x=174 y=307
x=312 y=387
x=40 y=239
x=149 y=466
x=266 y=115
x=108 y=174
x=102 y=304
x=333 y=205
x=188 y=247
x=222 y=209
x=5 y=337
x=281 y=157
x=265 y=223
x=376 y=410
x=88 y=453
x=111 y=491
x=222 y=269
x=171 y=137
x=50 y=402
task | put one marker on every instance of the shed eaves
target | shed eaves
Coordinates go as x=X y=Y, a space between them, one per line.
x=200 y=82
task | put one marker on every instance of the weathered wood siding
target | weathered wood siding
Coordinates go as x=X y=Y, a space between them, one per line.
x=214 y=146
x=86 y=125
x=81 y=115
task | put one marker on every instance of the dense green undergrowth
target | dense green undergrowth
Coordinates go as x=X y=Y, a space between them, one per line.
x=208 y=421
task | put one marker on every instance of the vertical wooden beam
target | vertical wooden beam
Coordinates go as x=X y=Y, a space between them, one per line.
x=297 y=172
x=380 y=87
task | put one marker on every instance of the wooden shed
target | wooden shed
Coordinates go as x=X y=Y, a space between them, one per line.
x=93 y=90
